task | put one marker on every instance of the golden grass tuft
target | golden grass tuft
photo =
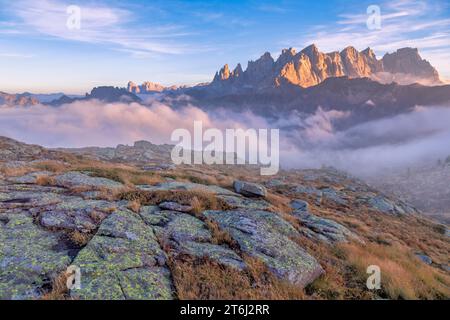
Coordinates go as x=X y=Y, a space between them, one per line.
x=134 y=206
x=59 y=289
x=79 y=239
x=45 y=180
x=220 y=236
x=129 y=176
x=205 y=200
x=403 y=276
x=203 y=279
x=52 y=166
x=15 y=172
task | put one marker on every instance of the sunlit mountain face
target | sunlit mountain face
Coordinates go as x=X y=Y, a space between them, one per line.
x=208 y=150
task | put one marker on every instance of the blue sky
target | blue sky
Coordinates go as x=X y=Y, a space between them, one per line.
x=185 y=42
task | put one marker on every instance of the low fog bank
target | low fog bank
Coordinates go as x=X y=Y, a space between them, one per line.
x=306 y=141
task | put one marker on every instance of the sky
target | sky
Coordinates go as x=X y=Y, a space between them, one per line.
x=186 y=42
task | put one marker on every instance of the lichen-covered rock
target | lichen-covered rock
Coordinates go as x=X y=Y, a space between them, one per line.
x=78 y=179
x=31 y=177
x=245 y=203
x=29 y=196
x=309 y=191
x=12 y=150
x=77 y=203
x=274 y=183
x=324 y=229
x=76 y=214
x=123 y=261
x=29 y=257
x=334 y=195
x=299 y=205
x=424 y=258
x=174 y=206
x=67 y=220
x=220 y=253
x=249 y=189
x=178 y=185
x=382 y=204
x=267 y=236
x=188 y=235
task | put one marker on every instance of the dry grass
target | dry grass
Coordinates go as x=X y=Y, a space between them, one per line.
x=104 y=193
x=205 y=200
x=403 y=276
x=339 y=281
x=129 y=176
x=279 y=202
x=59 y=289
x=203 y=279
x=15 y=172
x=197 y=206
x=52 y=166
x=79 y=239
x=134 y=206
x=220 y=236
x=44 y=180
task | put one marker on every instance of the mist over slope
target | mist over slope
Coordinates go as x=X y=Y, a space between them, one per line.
x=306 y=140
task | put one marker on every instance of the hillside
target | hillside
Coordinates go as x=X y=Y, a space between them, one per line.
x=425 y=186
x=205 y=232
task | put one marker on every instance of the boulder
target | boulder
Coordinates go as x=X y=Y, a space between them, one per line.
x=266 y=236
x=78 y=179
x=249 y=189
x=382 y=204
x=334 y=195
x=299 y=205
x=30 y=177
x=174 y=206
x=245 y=203
x=188 y=235
x=324 y=229
x=29 y=257
x=178 y=185
x=123 y=262
x=424 y=258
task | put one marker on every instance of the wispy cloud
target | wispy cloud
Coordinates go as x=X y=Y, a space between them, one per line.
x=100 y=24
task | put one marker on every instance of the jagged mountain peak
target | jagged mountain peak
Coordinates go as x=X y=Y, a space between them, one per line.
x=17 y=100
x=310 y=67
x=145 y=87
x=368 y=52
x=310 y=50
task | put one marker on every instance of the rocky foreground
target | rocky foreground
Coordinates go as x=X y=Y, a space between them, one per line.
x=163 y=232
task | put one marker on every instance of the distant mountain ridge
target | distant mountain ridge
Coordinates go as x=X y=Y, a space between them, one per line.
x=310 y=67
x=147 y=87
x=104 y=93
x=20 y=100
x=364 y=98
x=280 y=84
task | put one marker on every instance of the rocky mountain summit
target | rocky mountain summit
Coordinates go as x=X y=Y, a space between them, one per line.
x=142 y=152
x=310 y=67
x=147 y=87
x=205 y=232
x=20 y=100
x=106 y=94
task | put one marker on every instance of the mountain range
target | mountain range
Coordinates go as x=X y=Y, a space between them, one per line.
x=348 y=80
x=20 y=100
x=310 y=67
x=148 y=87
